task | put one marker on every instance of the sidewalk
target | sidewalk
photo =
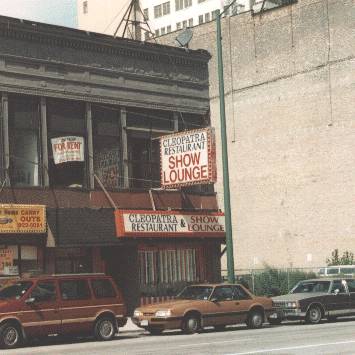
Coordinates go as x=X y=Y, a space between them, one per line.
x=130 y=327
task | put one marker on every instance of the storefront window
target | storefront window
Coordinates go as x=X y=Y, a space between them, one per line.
x=73 y=261
x=24 y=141
x=107 y=142
x=66 y=119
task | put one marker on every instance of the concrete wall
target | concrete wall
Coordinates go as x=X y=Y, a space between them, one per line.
x=290 y=94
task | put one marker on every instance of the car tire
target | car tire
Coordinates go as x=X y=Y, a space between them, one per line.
x=10 y=336
x=105 y=329
x=255 y=319
x=275 y=321
x=155 y=331
x=219 y=328
x=314 y=315
x=191 y=324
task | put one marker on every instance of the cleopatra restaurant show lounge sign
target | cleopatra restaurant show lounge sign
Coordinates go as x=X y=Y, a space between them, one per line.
x=188 y=158
x=169 y=223
x=22 y=218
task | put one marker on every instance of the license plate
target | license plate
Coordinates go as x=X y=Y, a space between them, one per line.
x=144 y=322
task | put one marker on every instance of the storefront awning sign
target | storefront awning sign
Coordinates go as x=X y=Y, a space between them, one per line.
x=22 y=218
x=67 y=149
x=168 y=223
x=188 y=158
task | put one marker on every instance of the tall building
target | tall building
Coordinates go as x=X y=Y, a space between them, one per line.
x=162 y=16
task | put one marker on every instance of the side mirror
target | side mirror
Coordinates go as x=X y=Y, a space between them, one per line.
x=214 y=300
x=30 y=300
x=336 y=291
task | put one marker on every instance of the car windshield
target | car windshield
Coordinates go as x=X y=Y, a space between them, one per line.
x=15 y=291
x=196 y=293
x=311 y=286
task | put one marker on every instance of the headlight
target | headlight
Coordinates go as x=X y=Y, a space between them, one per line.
x=163 y=313
x=291 y=305
x=137 y=313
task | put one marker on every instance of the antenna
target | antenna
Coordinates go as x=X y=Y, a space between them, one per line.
x=133 y=25
x=184 y=38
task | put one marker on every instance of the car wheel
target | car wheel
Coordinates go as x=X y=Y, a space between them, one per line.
x=10 y=336
x=255 y=319
x=219 y=328
x=155 y=331
x=275 y=321
x=314 y=315
x=191 y=324
x=105 y=329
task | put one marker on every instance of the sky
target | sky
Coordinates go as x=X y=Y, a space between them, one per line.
x=56 y=12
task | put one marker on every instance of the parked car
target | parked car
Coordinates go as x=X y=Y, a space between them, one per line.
x=199 y=306
x=313 y=300
x=61 y=304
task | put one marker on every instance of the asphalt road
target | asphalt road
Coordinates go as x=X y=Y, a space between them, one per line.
x=291 y=338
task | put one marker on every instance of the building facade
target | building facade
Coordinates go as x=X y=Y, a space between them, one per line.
x=290 y=93
x=162 y=16
x=103 y=103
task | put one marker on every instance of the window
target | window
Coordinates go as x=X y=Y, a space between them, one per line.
x=179 y=5
x=188 y=3
x=24 y=141
x=207 y=17
x=200 y=19
x=162 y=31
x=167 y=266
x=199 y=1
x=146 y=14
x=224 y=293
x=64 y=119
x=73 y=260
x=106 y=143
x=158 y=11
x=178 y=25
x=168 y=29
x=44 y=291
x=191 y=22
x=85 y=7
x=146 y=35
x=103 y=288
x=214 y=14
x=74 y=290
x=351 y=285
x=156 y=33
x=15 y=291
x=184 y=24
x=240 y=294
x=166 y=8
x=338 y=285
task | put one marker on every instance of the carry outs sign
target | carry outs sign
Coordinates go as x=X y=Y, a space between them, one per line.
x=188 y=158
x=143 y=223
x=66 y=149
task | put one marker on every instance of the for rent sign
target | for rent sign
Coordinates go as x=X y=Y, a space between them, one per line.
x=188 y=158
x=168 y=223
x=67 y=149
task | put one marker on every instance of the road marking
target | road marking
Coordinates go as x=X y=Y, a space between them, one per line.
x=293 y=348
x=212 y=343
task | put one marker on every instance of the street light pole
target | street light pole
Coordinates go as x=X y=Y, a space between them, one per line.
x=226 y=190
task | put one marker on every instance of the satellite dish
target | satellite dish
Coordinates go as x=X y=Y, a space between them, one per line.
x=184 y=38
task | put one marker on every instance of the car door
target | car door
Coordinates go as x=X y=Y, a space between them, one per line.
x=222 y=306
x=242 y=304
x=351 y=289
x=42 y=310
x=338 y=302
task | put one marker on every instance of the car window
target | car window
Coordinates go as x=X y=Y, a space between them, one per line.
x=16 y=290
x=333 y=271
x=74 y=290
x=195 y=293
x=351 y=285
x=223 y=293
x=240 y=294
x=103 y=288
x=338 y=285
x=311 y=286
x=44 y=291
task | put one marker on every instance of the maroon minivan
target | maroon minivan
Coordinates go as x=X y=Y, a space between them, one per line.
x=80 y=304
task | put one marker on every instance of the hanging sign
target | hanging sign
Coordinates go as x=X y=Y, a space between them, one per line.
x=66 y=149
x=22 y=218
x=169 y=223
x=188 y=158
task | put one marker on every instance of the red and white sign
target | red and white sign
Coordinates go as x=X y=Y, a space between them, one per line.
x=67 y=149
x=188 y=158
x=169 y=223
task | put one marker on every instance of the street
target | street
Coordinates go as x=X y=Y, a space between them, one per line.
x=290 y=338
